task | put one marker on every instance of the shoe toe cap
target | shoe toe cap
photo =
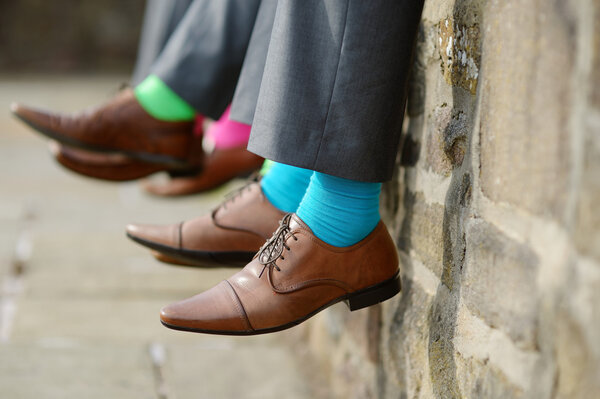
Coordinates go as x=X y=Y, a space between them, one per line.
x=30 y=114
x=20 y=109
x=149 y=235
x=217 y=310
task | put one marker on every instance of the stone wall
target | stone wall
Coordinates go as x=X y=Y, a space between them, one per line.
x=495 y=209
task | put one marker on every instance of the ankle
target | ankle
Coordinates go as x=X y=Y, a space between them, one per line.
x=226 y=133
x=285 y=185
x=340 y=212
x=161 y=102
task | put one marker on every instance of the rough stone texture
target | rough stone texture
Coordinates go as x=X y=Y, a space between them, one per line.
x=422 y=233
x=494 y=208
x=499 y=282
x=594 y=14
x=578 y=323
x=478 y=379
x=525 y=157
x=405 y=348
x=587 y=234
x=460 y=53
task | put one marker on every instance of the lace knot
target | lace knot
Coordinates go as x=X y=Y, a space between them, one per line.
x=272 y=250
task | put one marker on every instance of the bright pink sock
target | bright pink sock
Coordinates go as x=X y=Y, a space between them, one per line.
x=199 y=125
x=226 y=133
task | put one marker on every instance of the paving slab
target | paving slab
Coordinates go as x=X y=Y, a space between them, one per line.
x=61 y=368
x=256 y=371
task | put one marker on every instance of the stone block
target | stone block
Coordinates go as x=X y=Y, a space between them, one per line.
x=577 y=323
x=459 y=49
x=422 y=233
x=351 y=350
x=499 y=282
x=587 y=230
x=446 y=138
x=526 y=101
x=479 y=379
x=436 y=158
x=405 y=349
x=362 y=327
x=595 y=77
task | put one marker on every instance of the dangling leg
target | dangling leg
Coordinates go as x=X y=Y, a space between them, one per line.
x=331 y=101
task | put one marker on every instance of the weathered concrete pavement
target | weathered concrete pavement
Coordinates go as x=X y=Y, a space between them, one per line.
x=79 y=303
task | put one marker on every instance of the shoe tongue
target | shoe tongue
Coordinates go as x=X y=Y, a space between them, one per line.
x=229 y=213
x=297 y=223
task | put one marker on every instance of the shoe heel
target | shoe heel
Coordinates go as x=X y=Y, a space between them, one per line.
x=374 y=295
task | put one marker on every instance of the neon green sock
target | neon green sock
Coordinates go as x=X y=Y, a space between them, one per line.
x=266 y=166
x=161 y=102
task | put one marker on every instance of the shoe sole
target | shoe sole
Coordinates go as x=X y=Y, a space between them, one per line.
x=203 y=259
x=358 y=300
x=166 y=160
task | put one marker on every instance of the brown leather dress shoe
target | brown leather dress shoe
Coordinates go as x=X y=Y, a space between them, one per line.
x=227 y=237
x=294 y=276
x=218 y=168
x=109 y=166
x=120 y=126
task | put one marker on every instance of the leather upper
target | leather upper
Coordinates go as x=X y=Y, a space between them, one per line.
x=241 y=223
x=120 y=125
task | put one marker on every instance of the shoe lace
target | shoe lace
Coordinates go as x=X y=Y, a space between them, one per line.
x=273 y=248
x=254 y=178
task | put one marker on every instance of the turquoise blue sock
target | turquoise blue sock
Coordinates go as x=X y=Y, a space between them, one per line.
x=285 y=185
x=339 y=211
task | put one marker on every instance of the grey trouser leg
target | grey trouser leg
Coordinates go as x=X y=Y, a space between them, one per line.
x=160 y=20
x=333 y=89
x=201 y=61
x=246 y=91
